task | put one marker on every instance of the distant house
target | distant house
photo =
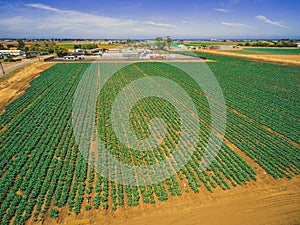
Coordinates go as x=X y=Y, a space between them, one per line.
x=298 y=44
x=69 y=57
x=11 y=52
x=182 y=47
x=77 y=53
x=72 y=57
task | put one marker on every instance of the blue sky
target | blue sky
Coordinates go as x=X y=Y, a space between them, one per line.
x=148 y=19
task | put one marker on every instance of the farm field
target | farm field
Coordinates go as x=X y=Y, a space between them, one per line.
x=70 y=45
x=261 y=51
x=45 y=177
x=19 y=82
x=281 y=56
x=200 y=43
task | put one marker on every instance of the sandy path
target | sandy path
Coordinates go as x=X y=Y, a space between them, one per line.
x=10 y=67
x=267 y=201
x=20 y=82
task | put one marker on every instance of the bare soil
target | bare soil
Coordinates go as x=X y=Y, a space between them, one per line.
x=267 y=201
x=273 y=58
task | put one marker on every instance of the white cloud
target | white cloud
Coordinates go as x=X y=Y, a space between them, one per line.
x=77 y=19
x=159 y=24
x=221 y=10
x=274 y=23
x=186 y=22
x=39 y=20
x=45 y=7
x=234 y=24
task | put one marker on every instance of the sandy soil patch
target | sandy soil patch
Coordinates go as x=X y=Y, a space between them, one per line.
x=281 y=59
x=267 y=201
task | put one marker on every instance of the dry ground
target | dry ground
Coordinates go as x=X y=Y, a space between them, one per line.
x=273 y=58
x=265 y=202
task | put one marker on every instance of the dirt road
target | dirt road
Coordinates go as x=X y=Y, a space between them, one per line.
x=272 y=58
x=10 y=67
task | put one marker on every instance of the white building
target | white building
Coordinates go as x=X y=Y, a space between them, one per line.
x=69 y=57
x=11 y=52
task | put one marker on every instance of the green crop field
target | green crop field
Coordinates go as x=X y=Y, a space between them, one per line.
x=42 y=169
x=259 y=51
x=207 y=43
x=71 y=45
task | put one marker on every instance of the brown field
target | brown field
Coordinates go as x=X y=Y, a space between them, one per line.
x=265 y=202
x=272 y=58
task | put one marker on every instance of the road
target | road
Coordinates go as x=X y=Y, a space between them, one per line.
x=10 y=67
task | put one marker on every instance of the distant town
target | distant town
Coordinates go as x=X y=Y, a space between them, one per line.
x=16 y=49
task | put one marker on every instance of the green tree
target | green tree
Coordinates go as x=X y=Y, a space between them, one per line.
x=34 y=47
x=279 y=44
x=10 y=46
x=61 y=52
x=271 y=44
x=160 y=43
x=21 y=44
x=77 y=46
x=2 y=46
x=129 y=42
x=169 y=41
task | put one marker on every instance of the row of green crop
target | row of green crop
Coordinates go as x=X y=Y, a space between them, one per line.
x=150 y=108
x=268 y=93
x=261 y=95
x=35 y=144
x=42 y=167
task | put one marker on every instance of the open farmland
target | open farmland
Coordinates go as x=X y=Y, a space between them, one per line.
x=262 y=51
x=44 y=174
x=278 y=56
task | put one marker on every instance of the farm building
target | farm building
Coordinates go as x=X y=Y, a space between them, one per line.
x=69 y=57
x=11 y=52
x=72 y=57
